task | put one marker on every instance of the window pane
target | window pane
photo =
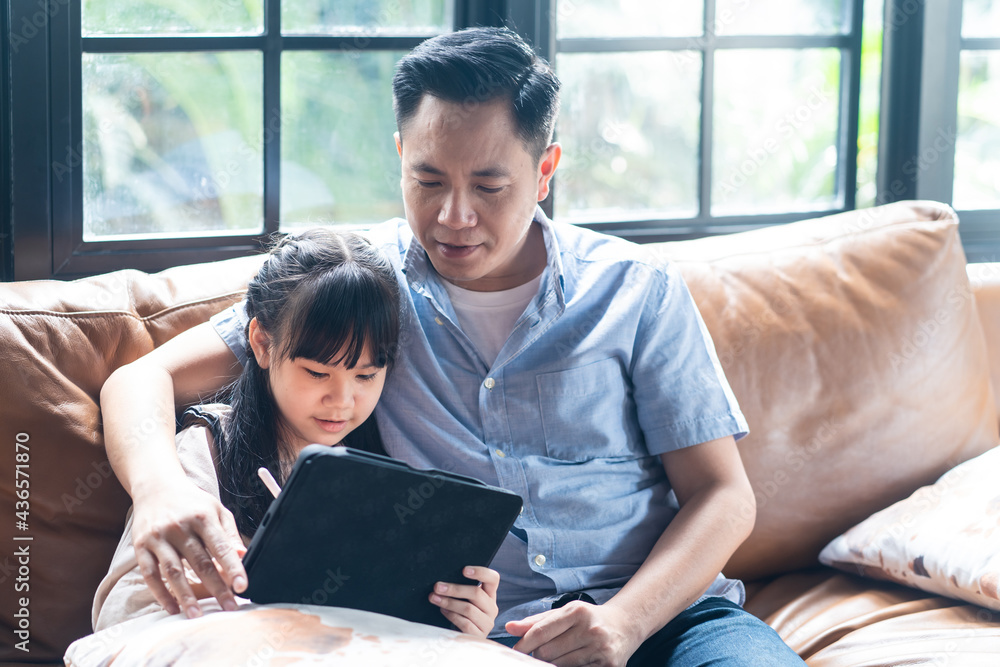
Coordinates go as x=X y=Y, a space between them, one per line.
x=775 y=120
x=870 y=104
x=172 y=143
x=981 y=18
x=779 y=17
x=977 y=149
x=629 y=130
x=116 y=17
x=419 y=17
x=339 y=160
x=629 y=18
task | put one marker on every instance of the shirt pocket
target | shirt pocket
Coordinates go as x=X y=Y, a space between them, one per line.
x=588 y=413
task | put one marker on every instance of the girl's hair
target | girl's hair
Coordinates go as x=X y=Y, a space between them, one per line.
x=323 y=296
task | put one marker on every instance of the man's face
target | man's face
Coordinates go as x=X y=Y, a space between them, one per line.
x=470 y=190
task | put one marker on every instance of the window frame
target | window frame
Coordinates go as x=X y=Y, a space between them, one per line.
x=6 y=241
x=704 y=223
x=920 y=65
x=978 y=228
x=48 y=227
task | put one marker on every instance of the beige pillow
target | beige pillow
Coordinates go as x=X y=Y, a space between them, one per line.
x=945 y=538
x=286 y=635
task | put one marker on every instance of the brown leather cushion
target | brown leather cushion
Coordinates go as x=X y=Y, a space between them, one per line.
x=985 y=279
x=58 y=344
x=839 y=620
x=826 y=329
x=853 y=345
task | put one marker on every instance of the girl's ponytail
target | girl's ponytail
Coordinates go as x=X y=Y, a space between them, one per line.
x=251 y=426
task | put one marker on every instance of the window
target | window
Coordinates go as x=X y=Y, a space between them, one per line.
x=6 y=244
x=700 y=114
x=151 y=133
x=184 y=130
x=977 y=143
x=939 y=132
x=972 y=140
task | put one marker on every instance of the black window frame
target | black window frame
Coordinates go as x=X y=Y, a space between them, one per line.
x=58 y=249
x=6 y=240
x=41 y=224
x=704 y=223
x=943 y=44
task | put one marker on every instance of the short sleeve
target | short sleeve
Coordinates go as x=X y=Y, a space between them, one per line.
x=681 y=393
x=231 y=325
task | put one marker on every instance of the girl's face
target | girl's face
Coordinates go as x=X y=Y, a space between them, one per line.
x=319 y=403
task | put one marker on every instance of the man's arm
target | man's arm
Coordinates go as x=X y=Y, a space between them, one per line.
x=717 y=511
x=172 y=518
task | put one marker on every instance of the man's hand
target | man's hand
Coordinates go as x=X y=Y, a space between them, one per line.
x=180 y=521
x=716 y=514
x=578 y=633
x=172 y=518
x=471 y=608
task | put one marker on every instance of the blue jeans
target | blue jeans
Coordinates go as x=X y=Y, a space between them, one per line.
x=713 y=632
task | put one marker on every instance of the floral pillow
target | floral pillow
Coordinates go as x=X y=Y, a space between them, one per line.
x=285 y=634
x=945 y=538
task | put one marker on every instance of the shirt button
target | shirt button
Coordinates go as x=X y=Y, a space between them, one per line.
x=539 y=560
x=490 y=383
x=499 y=453
x=438 y=320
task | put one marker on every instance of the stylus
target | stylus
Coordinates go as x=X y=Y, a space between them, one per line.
x=272 y=486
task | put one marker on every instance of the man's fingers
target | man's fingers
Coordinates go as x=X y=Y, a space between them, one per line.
x=227 y=548
x=549 y=625
x=524 y=624
x=203 y=565
x=150 y=570
x=171 y=570
x=217 y=540
x=206 y=538
x=561 y=648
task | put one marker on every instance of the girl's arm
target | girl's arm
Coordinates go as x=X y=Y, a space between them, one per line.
x=471 y=608
x=173 y=518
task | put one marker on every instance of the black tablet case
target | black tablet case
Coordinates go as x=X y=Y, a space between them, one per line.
x=359 y=530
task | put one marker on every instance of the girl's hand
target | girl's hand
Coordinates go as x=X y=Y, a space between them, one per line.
x=472 y=609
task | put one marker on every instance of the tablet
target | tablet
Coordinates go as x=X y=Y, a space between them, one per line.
x=364 y=531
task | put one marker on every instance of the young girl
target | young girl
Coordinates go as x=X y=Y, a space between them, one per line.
x=323 y=330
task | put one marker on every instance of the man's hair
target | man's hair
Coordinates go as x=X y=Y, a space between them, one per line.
x=476 y=66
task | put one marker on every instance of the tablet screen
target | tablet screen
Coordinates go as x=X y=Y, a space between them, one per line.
x=359 y=530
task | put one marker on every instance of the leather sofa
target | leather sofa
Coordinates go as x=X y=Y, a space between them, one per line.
x=857 y=390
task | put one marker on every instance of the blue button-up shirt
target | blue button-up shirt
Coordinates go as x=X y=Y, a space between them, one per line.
x=609 y=366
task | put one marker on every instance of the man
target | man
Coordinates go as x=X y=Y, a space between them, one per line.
x=546 y=359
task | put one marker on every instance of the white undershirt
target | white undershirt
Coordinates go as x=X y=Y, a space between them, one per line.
x=488 y=318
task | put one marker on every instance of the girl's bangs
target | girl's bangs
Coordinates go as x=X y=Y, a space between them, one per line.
x=339 y=313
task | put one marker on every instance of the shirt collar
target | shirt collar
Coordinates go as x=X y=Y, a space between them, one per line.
x=420 y=273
